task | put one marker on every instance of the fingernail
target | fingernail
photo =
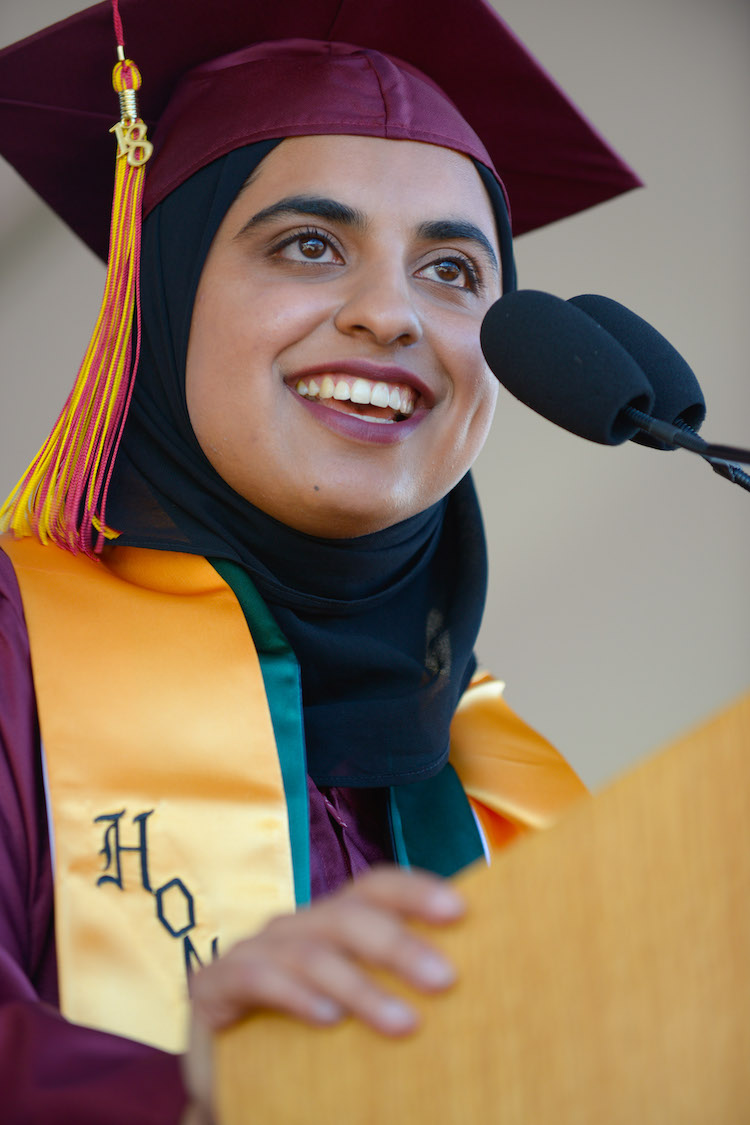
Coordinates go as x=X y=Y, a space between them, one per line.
x=396 y=1015
x=446 y=901
x=327 y=1011
x=435 y=970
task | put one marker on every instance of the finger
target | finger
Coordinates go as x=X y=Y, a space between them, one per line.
x=377 y=936
x=412 y=893
x=330 y=972
x=246 y=980
x=197 y=1071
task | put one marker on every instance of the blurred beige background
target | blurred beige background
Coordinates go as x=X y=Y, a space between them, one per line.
x=619 y=611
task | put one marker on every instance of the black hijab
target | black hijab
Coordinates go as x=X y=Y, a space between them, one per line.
x=383 y=625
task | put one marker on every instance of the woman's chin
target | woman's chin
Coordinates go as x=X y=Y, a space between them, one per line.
x=342 y=512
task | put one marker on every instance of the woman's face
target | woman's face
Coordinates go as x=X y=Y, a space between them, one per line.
x=334 y=373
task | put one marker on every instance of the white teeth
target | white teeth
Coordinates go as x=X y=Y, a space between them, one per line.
x=360 y=392
x=380 y=394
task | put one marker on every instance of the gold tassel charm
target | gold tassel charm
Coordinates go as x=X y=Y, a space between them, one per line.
x=130 y=130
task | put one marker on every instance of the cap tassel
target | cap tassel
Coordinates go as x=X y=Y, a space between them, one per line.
x=62 y=496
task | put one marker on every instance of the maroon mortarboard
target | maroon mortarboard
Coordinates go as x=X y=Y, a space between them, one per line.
x=446 y=72
x=56 y=100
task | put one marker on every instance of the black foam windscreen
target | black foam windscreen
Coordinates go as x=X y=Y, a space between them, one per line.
x=678 y=396
x=557 y=360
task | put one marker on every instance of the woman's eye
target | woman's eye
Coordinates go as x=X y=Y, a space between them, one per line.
x=307 y=246
x=457 y=272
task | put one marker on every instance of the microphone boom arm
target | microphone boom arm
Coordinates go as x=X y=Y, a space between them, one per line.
x=719 y=457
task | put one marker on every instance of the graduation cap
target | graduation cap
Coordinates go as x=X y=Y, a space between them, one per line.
x=225 y=74
x=57 y=104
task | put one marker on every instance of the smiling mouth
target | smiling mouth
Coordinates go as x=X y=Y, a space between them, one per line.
x=370 y=399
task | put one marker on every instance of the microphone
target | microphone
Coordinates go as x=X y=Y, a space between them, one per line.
x=566 y=367
x=561 y=362
x=679 y=398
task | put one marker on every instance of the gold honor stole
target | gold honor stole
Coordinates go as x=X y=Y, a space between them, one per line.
x=171 y=831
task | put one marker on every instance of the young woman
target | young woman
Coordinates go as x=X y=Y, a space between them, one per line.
x=262 y=684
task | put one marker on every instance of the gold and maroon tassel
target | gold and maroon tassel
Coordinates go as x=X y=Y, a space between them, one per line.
x=62 y=496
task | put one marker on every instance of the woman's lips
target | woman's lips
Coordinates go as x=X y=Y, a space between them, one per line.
x=362 y=400
x=360 y=428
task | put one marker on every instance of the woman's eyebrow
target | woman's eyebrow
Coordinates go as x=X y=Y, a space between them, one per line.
x=440 y=230
x=314 y=205
x=334 y=211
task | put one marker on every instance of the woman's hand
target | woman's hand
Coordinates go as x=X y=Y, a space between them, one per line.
x=312 y=965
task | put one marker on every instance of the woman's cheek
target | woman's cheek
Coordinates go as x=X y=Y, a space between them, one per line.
x=479 y=415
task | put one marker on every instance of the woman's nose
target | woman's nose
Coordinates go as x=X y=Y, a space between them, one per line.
x=379 y=305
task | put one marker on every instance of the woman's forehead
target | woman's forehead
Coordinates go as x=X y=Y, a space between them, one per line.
x=370 y=174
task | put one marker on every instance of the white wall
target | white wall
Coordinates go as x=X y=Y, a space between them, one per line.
x=619 y=611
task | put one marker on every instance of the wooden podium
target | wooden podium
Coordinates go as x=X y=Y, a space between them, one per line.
x=604 y=977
